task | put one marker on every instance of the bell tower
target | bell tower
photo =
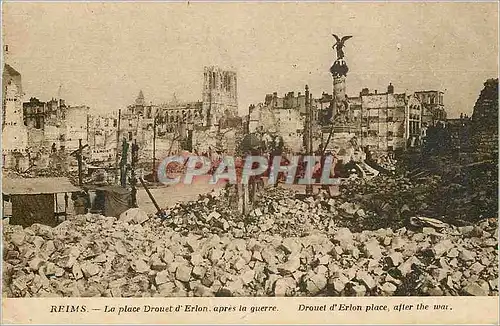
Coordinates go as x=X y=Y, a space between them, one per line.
x=220 y=95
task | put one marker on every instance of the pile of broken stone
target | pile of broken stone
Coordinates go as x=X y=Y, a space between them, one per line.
x=276 y=212
x=285 y=247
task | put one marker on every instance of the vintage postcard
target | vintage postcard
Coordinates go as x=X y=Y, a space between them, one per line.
x=250 y=162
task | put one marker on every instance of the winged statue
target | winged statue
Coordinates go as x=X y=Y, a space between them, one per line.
x=339 y=45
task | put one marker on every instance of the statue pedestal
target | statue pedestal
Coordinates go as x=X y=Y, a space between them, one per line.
x=339 y=94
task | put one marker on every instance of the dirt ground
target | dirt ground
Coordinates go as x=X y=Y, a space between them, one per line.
x=169 y=195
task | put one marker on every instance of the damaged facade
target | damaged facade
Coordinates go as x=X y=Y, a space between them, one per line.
x=54 y=129
x=166 y=128
x=15 y=147
x=459 y=130
x=284 y=116
x=385 y=122
x=102 y=136
x=38 y=134
x=485 y=120
x=45 y=122
x=433 y=107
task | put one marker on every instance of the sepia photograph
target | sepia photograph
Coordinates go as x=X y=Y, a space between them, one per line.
x=244 y=149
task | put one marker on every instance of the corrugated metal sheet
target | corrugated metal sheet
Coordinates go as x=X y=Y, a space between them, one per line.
x=34 y=186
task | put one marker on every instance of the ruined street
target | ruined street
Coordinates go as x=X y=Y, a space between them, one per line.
x=383 y=122
x=362 y=242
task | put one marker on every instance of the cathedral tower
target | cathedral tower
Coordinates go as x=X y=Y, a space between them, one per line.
x=220 y=95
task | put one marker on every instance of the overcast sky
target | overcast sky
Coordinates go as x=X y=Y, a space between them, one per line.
x=103 y=54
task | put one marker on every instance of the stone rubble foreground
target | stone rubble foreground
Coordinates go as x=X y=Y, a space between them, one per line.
x=285 y=247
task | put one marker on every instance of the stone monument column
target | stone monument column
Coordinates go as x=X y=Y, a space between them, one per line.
x=339 y=87
x=339 y=71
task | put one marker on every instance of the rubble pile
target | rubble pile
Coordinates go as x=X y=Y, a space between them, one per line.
x=388 y=200
x=469 y=194
x=463 y=198
x=387 y=162
x=276 y=212
x=92 y=255
x=362 y=205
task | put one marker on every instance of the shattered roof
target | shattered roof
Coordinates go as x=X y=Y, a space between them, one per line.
x=37 y=186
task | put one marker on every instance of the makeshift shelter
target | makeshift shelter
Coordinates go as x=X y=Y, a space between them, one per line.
x=109 y=200
x=34 y=199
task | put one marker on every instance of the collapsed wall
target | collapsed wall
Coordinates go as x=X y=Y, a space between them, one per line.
x=485 y=120
x=225 y=139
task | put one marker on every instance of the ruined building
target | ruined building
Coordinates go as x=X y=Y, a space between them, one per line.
x=131 y=120
x=484 y=128
x=45 y=122
x=76 y=126
x=15 y=149
x=102 y=132
x=384 y=121
x=219 y=94
x=281 y=115
x=323 y=108
x=38 y=114
x=433 y=107
x=54 y=124
x=133 y=125
x=182 y=125
x=458 y=130
x=387 y=121
x=9 y=75
x=176 y=114
x=31 y=131
x=173 y=122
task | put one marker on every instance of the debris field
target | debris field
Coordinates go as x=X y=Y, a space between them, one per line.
x=316 y=246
